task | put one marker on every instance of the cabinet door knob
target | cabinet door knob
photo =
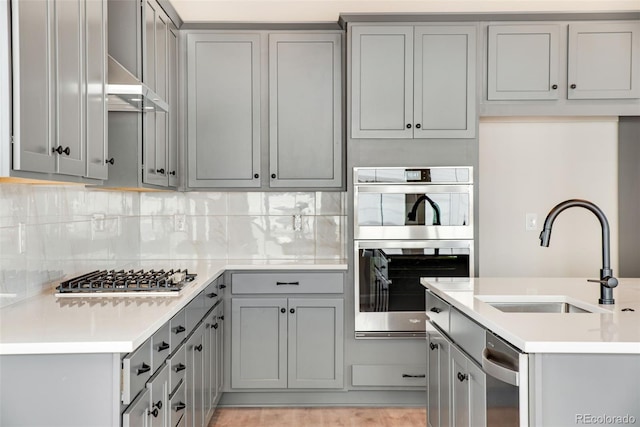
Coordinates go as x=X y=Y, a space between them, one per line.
x=172 y=173
x=462 y=377
x=408 y=125
x=179 y=406
x=179 y=329
x=179 y=367
x=256 y=176
x=433 y=346
x=198 y=347
x=215 y=326
x=163 y=346
x=160 y=171
x=554 y=87
x=573 y=86
x=418 y=126
x=155 y=412
x=61 y=150
x=273 y=175
x=142 y=369
x=111 y=161
x=283 y=310
x=293 y=310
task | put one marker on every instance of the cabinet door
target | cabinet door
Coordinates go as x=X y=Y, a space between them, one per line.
x=223 y=110
x=438 y=388
x=523 y=62
x=195 y=378
x=69 y=86
x=305 y=110
x=172 y=100
x=33 y=86
x=382 y=82
x=316 y=340
x=211 y=327
x=159 y=408
x=259 y=343
x=150 y=16
x=444 y=77
x=604 y=59
x=468 y=405
x=220 y=350
x=96 y=79
x=137 y=414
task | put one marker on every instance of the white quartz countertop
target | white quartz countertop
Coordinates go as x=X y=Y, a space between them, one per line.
x=610 y=330
x=44 y=324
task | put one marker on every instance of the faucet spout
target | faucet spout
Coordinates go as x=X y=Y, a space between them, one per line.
x=411 y=216
x=607 y=280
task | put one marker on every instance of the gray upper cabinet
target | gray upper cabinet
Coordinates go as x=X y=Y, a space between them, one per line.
x=59 y=68
x=523 y=62
x=305 y=110
x=172 y=100
x=604 y=60
x=555 y=61
x=223 y=110
x=413 y=82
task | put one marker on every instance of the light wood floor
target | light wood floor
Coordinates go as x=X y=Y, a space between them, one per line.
x=319 y=417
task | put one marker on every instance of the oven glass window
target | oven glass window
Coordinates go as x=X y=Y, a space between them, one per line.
x=395 y=209
x=389 y=278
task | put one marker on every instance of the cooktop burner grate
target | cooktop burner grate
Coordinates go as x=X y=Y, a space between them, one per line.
x=127 y=281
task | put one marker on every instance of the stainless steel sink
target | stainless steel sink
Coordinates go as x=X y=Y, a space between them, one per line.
x=538 y=307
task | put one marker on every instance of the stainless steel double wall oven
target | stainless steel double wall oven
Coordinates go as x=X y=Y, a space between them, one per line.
x=409 y=222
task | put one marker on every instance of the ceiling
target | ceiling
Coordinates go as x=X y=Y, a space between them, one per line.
x=329 y=10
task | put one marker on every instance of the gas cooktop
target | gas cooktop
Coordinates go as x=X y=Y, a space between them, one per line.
x=101 y=283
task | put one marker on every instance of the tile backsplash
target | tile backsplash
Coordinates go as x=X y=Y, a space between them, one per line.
x=49 y=232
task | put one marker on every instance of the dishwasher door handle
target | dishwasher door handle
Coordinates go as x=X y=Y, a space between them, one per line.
x=496 y=364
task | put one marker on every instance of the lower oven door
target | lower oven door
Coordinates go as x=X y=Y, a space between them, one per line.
x=389 y=299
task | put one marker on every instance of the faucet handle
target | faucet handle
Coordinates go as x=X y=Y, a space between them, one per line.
x=609 y=282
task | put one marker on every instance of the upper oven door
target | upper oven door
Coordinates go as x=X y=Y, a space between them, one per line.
x=413 y=211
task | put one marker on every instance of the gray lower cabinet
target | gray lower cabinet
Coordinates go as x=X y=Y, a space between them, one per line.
x=245 y=88
x=468 y=396
x=438 y=381
x=530 y=61
x=195 y=348
x=59 y=69
x=413 y=81
x=287 y=343
x=137 y=414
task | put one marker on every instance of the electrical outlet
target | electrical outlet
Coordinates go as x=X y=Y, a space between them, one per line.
x=531 y=222
x=97 y=222
x=297 y=222
x=179 y=222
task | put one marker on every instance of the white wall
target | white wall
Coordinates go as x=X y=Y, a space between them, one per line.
x=329 y=10
x=529 y=166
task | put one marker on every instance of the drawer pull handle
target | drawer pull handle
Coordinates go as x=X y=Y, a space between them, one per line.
x=287 y=283
x=433 y=346
x=212 y=295
x=222 y=286
x=221 y=317
x=144 y=368
x=179 y=406
x=180 y=367
x=163 y=346
x=413 y=376
x=198 y=347
x=462 y=377
x=179 y=329
x=435 y=309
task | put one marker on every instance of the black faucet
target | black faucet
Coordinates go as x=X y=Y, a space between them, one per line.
x=411 y=216
x=607 y=280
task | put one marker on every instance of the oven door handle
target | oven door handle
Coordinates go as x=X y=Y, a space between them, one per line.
x=496 y=364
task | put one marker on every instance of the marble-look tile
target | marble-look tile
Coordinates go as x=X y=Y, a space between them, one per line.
x=125 y=237
x=246 y=203
x=205 y=238
x=246 y=237
x=155 y=236
x=205 y=203
x=161 y=203
x=330 y=203
x=290 y=203
x=330 y=243
x=97 y=201
x=284 y=242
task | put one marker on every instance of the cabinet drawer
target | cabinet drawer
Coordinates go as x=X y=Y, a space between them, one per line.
x=287 y=283
x=195 y=312
x=211 y=296
x=178 y=329
x=136 y=413
x=160 y=346
x=438 y=311
x=136 y=370
x=389 y=375
x=467 y=334
x=177 y=406
x=177 y=365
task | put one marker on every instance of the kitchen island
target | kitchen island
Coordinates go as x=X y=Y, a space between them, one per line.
x=128 y=360
x=576 y=367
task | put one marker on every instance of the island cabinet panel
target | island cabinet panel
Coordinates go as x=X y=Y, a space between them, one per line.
x=438 y=381
x=305 y=110
x=523 y=62
x=413 y=82
x=604 y=60
x=468 y=395
x=223 y=110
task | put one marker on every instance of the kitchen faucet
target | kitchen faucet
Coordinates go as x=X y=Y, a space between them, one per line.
x=607 y=280
x=411 y=216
